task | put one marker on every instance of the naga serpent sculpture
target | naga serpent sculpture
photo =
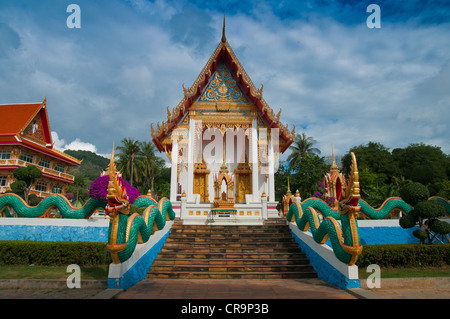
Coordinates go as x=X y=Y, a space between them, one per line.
x=126 y=230
x=58 y=201
x=382 y=212
x=345 y=240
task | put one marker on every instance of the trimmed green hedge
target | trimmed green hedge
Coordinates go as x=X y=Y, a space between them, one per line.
x=53 y=253
x=408 y=255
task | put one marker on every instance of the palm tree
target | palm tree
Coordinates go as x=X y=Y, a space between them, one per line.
x=302 y=145
x=126 y=159
x=148 y=163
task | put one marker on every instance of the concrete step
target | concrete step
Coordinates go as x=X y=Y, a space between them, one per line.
x=165 y=261
x=231 y=251
x=232 y=275
x=225 y=244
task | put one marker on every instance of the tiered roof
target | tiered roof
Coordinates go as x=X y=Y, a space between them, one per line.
x=28 y=125
x=222 y=53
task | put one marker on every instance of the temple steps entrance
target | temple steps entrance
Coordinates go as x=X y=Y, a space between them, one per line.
x=231 y=252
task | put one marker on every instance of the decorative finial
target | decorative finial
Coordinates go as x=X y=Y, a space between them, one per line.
x=224 y=38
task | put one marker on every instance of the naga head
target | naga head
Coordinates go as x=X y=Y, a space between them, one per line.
x=352 y=194
x=118 y=201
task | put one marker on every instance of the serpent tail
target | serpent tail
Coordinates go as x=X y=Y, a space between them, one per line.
x=58 y=201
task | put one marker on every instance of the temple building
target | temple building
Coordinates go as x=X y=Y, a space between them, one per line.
x=223 y=141
x=25 y=138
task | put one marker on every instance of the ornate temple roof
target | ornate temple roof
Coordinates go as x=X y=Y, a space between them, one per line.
x=28 y=125
x=222 y=55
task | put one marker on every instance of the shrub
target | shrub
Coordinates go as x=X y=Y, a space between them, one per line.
x=414 y=193
x=53 y=253
x=409 y=255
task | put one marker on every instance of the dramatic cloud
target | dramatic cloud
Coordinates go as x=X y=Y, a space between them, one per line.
x=334 y=78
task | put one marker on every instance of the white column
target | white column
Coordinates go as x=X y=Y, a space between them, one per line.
x=271 y=172
x=254 y=160
x=190 y=177
x=173 y=170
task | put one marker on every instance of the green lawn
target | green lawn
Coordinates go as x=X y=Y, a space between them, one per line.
x=51 y=272
x=405 y=272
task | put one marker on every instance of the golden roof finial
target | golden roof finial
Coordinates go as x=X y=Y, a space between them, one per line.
x=224 y=38
x=334 y=167
x=288 y=189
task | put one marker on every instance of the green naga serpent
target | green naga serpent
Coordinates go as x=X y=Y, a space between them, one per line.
x=62 y=203
x=388 y=206
x=126 y=230
x=345 y=240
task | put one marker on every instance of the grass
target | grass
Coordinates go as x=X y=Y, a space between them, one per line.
x=408 y=272
x=51 y=272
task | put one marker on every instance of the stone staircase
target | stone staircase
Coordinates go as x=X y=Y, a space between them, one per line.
x=226 y=252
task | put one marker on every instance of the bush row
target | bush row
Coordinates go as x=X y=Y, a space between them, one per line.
x=408 y=255
x=53 y=253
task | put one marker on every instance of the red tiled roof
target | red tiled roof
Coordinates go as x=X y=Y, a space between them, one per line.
x=15 y=118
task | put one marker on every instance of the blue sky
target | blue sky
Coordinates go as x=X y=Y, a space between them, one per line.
x=334 y=78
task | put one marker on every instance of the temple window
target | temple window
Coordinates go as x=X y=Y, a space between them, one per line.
x=3 y=180
x=59 y=168
x=5 y=154
x=57 y=189
x=44 y=163
x=41 y=187
x=26 y=157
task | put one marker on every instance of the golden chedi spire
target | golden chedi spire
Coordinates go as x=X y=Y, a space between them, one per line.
x=224 y=38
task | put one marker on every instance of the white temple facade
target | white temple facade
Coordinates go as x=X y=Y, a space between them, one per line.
x=223 y=142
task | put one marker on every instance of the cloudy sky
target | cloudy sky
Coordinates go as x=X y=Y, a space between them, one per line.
x=334 y=78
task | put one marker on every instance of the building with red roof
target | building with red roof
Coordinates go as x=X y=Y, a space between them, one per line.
x=25 y=139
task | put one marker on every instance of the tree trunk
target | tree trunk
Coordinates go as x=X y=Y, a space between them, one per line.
x=131 y=177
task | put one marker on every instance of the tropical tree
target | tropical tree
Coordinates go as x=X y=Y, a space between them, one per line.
x=25 y=177
x=302 y=146
x=307 y=174
x=426 y=213
x=148 y=164
x=128 y=151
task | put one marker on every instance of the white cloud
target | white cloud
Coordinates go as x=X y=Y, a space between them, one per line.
x=76 y=145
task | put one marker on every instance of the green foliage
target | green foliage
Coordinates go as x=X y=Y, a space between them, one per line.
x=425 y=213
x=25 y=177
x=429 y=209
x=28 y=174
x=422 y=163
x=307 y=174
x=127 y=152
x=409 y=255
x=413 y=193
x=33 y=200
x=375 y=157
x=407 y=221
x=440 y=227
x=53 y=253
x=303 y=145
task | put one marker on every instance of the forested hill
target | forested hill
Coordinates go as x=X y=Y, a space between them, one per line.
x=91 y=166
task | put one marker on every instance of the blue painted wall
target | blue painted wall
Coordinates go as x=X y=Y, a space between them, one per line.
x=54 y=233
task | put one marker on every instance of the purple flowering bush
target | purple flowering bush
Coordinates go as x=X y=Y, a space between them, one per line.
x=99 y=189
x=321 y=194
x=69 y=196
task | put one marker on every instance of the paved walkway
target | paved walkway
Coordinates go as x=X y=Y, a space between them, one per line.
x=282 y=289
x=234 y=289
